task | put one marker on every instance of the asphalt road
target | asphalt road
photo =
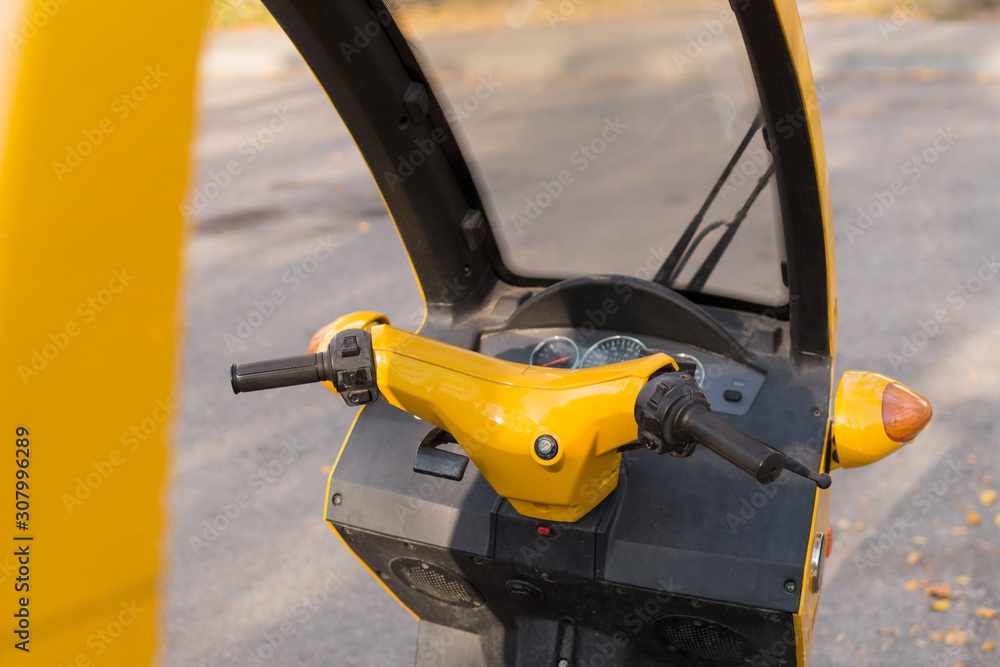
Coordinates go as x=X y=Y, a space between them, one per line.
x=275 y=244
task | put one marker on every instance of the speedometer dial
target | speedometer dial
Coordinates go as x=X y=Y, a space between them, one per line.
x=612 y=350
x=555 y=352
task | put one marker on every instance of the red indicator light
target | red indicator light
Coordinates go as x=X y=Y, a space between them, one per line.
x=543 y=530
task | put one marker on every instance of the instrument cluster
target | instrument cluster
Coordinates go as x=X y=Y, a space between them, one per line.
x=562 y=352
x=729 y=385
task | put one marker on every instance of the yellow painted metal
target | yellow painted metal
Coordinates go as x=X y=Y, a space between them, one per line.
x=496 y=409
x=95 y=163
x=805 y=620
x=788 y=15
x=858 y=429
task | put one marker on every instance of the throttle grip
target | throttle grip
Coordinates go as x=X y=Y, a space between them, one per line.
x=673 y=415
x=718 y=434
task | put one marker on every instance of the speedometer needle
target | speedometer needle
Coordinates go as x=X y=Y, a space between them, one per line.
x=555 y=361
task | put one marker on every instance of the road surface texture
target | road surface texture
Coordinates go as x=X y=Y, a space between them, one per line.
x=285 y=217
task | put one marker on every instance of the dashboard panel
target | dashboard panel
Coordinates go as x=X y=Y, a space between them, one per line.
x=729 y=385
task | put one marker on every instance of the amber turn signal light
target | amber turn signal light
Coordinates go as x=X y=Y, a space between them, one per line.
x=905 y=413
x=316 y=342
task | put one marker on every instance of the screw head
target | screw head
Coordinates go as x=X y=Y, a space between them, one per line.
x=546 y=447
x=337 y=499
x=790 y=586
x=563 y=663
x=816 y=412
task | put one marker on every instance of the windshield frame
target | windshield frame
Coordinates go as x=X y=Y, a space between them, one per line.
x=374 y=79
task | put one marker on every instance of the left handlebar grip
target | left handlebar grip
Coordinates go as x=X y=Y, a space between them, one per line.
x=284 y=372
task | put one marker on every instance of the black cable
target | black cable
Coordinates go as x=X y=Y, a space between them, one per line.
x=705 y=270
x=694 y=244
x=667 y=271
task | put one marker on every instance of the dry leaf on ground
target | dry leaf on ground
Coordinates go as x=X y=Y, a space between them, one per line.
x=939 y=590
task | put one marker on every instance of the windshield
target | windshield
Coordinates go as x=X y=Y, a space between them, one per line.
x=597 y=130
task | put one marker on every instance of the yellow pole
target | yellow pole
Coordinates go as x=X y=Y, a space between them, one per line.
x=96 y=116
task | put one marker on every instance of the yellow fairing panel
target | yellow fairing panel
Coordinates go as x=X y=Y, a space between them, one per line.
x=99 y=120
x=495 y=411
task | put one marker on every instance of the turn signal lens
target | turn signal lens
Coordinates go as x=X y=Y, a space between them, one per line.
x=905 y=413
x=317 y=338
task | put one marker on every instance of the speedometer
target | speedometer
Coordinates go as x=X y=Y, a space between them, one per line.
x=612 y=350
x=555 y=352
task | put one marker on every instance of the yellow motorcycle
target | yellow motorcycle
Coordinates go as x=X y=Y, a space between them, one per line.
x=619 y=220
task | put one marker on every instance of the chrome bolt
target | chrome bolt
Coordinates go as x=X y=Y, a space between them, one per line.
x=546 y=447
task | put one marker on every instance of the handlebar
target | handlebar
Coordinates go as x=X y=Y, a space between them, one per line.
x=348 y=363
x=446 y=385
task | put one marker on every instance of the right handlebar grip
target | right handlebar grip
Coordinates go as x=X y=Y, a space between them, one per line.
x=722 y=437
x=284 y=372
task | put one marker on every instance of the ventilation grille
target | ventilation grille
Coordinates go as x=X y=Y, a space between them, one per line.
x=706 y=640
x=436 y=582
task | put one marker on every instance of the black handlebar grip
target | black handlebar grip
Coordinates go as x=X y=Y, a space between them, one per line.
x=284 y=372
x=722 y=437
